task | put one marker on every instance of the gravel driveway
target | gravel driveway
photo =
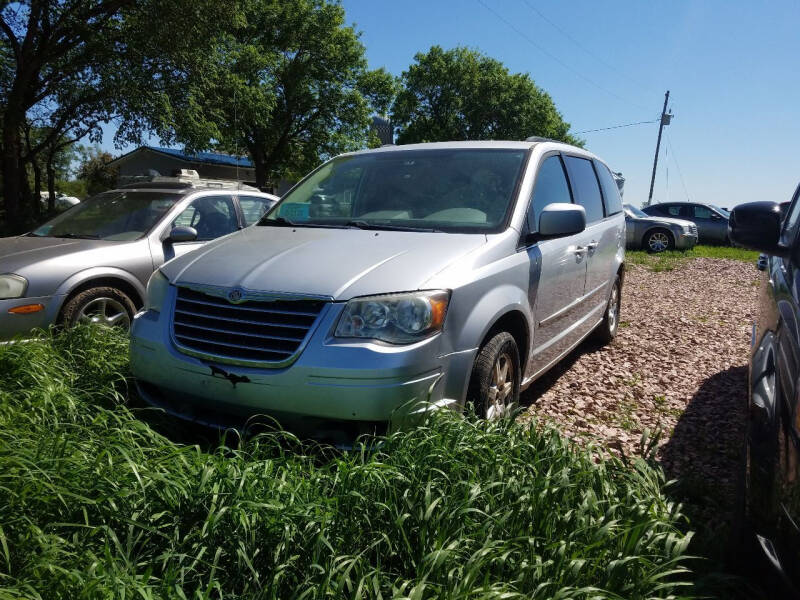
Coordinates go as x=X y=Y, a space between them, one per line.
x=678 y=364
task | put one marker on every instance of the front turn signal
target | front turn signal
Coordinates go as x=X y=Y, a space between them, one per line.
x=26 y=309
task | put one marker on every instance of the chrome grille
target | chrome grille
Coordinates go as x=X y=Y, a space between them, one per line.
x=256 y=331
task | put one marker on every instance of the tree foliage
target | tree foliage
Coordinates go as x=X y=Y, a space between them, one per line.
x=96 y=172
x=67 y=66
x=461 y=94
x=290 y=85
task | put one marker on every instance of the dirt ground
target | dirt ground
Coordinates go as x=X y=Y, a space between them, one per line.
x=678 y=365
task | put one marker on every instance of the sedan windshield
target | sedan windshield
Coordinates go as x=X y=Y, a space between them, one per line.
x=117 y=215
x=721 y=211
x=443 y=190
x=636 y=212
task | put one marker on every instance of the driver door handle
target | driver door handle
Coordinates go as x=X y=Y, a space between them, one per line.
x=593 y=245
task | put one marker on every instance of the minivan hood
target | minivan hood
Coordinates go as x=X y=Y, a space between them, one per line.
x=336 y=263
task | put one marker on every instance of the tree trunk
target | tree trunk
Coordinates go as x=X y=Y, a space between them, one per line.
x=37 y=183
x=51 y=185
x=261 y=169
x=11 y=177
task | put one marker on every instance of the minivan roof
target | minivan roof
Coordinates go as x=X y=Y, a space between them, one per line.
x=497 y=144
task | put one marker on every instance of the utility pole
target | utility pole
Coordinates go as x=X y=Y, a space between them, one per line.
x=665 y=119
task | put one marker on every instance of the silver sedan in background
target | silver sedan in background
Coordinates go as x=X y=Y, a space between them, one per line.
x=657 y=234
x=92 y=262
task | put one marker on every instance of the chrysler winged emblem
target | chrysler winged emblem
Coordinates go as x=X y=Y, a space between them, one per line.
x=235 y=295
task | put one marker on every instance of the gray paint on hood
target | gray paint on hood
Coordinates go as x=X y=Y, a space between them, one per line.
x=339 y=263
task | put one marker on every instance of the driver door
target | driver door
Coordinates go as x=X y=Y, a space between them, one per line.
x=212 y=217
x=556 y=295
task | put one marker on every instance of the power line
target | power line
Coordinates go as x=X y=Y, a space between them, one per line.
x=554 y=57
x=680 y=174
x=614 y=127
x=582 y=47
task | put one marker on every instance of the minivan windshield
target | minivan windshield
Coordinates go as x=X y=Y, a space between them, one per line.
x=454 y=190
x=116 y=215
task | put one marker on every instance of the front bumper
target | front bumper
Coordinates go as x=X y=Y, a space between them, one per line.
x=331 y=379
x=14 y=326
x=685 y=241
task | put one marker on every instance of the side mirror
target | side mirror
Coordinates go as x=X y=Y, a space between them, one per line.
x=757 y=225
x=561 y=219
x=182 y=233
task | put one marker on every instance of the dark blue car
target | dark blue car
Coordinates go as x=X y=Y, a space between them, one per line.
x=771 y=491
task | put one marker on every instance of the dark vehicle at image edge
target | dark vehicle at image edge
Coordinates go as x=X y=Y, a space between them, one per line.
x=770 y=501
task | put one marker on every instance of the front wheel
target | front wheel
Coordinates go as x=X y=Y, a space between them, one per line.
x=659 y=241
x=607 y=330
x=105 y=306
x=494 y=384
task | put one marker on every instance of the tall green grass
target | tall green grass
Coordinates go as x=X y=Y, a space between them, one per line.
x=96 y=504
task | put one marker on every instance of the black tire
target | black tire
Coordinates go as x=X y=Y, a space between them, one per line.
x=100 y=305
x=607 y=330
x=489 y=401
x=658 y=240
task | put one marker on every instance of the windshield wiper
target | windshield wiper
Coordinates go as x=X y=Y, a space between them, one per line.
x=364 y=225
x=278 y=221
x=76 y=236
x=284 y=222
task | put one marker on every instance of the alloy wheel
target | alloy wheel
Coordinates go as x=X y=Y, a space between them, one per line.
x=501 y=388
x=105 y=311
x=658 y=241
x=613 y=308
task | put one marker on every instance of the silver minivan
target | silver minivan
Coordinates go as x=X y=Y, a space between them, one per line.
x=390 y=281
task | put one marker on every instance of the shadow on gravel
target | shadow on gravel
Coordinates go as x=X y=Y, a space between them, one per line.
x=703 y=455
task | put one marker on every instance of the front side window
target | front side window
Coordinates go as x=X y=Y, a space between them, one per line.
x=586 y=188
x=211 y=216
x=454 y=190
x=551 y=186
x=253 y=208
x=791 y=221
x=701 y=212
x=610 y=189
x=116 y=215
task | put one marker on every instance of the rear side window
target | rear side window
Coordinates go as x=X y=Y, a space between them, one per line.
x=587 y=189
x=551 y=186
x=610 y=189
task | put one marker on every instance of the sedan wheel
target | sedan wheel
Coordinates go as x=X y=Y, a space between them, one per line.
x=106 y=306
x=658 y=241
x=105 y=311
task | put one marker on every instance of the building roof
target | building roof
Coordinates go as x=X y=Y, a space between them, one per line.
x=210 y=158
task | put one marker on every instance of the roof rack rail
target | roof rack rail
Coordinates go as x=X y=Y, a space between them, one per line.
x=161 y=181
x=538 y=138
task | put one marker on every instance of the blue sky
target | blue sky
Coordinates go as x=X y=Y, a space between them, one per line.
x=731 y=68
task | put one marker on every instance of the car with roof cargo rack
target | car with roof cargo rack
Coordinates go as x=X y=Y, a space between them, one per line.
x=390 y=281
x=92 y=262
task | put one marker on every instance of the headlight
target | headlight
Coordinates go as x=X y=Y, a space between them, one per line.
x=394 y=318
x=687 y=229
x=156 y=291
x=12 y=286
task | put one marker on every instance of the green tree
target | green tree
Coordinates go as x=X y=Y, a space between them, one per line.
x=68 y=66
x=462 y=94
x=96 y=172
x=290 y=85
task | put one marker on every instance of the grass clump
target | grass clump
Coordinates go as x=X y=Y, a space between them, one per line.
x=96 y=504
x=670 y=259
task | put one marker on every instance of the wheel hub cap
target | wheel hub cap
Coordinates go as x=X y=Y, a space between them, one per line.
x=658 y=242
x=501 y=389
x=105 y=311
